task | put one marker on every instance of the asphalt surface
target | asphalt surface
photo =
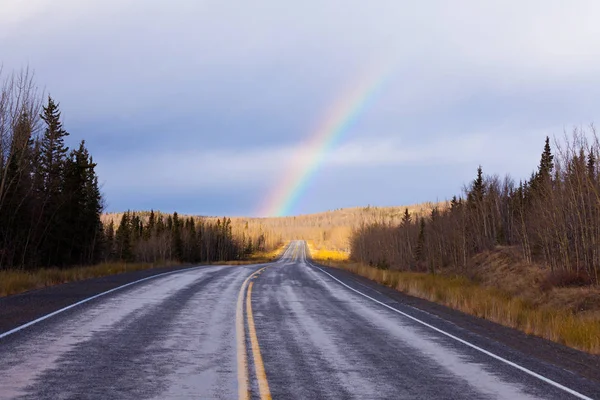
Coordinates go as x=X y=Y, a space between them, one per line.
x=286 y=330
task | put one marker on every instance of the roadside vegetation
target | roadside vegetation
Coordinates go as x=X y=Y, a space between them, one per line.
x=560 y=320
x=524 y=255
x=19 y=281
x=15 y=281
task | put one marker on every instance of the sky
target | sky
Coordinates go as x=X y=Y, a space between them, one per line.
x=201 y=106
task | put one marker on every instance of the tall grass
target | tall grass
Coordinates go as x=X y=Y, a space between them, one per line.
x=18 y=281
x=322 y=254
x=579 y=331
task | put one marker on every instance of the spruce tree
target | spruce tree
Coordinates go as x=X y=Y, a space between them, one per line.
x=123 y=239
x=53 y=155
x=477 y=192
x=547 y=162
x=54 y=150
x=591 y=166
x=406 y=218
x=176 y=236
x=148 y=232
x=419 y=253
x=109 y=246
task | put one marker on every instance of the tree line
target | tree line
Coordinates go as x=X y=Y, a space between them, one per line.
x=158 y=237
x=50 y=202
x=552 y=218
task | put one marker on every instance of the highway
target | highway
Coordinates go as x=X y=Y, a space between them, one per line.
x=285 y=330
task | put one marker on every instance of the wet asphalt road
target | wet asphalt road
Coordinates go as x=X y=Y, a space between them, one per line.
x=309 y=333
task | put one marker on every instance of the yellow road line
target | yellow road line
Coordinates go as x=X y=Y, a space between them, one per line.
x=242 y=359
x=261 y=376
x=240 y=331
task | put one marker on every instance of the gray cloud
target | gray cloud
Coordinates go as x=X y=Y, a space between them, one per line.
x=194 y=96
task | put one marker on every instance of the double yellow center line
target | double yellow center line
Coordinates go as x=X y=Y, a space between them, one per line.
x=242 y=355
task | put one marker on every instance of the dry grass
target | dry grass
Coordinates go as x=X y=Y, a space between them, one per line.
x=320 y=254
x=562 y=325
x=16 y=281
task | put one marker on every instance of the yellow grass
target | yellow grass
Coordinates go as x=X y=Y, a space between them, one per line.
x=16 y=281
x=321 y=254
x=580 y=331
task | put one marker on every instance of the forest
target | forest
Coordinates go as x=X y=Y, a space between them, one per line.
x=552 y=218
x=50 y=202
x=152 y=237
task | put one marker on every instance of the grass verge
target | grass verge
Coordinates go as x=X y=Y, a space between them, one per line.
x=322 y=254
x=18 y=281
x=580 y=331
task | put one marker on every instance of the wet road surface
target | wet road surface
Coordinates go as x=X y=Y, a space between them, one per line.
x=286 y=330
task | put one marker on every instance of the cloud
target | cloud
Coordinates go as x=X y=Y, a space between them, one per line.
x=224 y=168
x=209 y=95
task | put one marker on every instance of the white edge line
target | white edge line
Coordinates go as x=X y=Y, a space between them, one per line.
x=497 y=357
x=28 y=324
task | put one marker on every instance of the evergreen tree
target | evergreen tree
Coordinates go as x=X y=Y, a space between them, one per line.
x=477 y=192
x=547 y=162
x=176 y=236
x=81 y=225
x=406 y=218
x=123 y=239
x=151 y=225
x=54 y=150
x=591 y=166
x=109 y=247
x=53 y=155
x=419 y=252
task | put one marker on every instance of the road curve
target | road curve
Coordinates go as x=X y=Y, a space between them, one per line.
x=286 y=330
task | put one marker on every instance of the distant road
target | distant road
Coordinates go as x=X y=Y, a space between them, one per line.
x=286 y=330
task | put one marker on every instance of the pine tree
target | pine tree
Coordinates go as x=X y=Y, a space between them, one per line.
x=176 y=236
x=591 y=166
x=547 y=162
x=477 y=192
x=151 y=225
x=94 y=205
x=123 y=239
x=53 y=155
x=406 y=218
x=419 y=252
x=80 y=216
x=53 y=149
x=109 y=246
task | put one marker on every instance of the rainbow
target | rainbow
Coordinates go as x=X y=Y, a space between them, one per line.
x=311 y=154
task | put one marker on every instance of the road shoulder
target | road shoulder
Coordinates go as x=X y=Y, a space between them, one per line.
x=16 y=310
x=578 y=362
